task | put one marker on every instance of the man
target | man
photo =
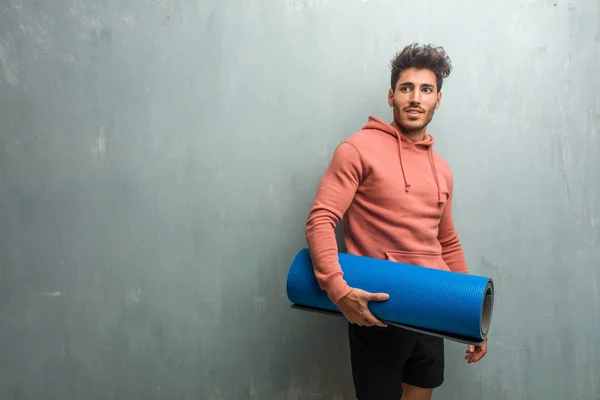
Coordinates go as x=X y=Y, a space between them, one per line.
x=395 y=193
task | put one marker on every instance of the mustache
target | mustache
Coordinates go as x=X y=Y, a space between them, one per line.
x=414 y=107
x=414 y=104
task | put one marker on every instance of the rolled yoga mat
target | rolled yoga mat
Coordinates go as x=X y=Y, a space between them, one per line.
x=440 y=303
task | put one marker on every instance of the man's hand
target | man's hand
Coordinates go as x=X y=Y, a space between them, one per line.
x=355 y=309
x=476 y=353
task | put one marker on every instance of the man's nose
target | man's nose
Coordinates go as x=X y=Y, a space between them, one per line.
x=415 y=97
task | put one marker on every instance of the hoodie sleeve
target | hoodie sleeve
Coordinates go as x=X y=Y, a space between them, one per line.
x=334 y=195
x=452 y=251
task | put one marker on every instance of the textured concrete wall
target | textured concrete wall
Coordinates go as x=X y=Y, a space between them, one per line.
x=158 y=159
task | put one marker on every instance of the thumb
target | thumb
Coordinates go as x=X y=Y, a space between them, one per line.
x=379 y=296
x=471 y=348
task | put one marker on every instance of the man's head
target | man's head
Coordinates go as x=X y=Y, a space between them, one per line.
x=416 y=82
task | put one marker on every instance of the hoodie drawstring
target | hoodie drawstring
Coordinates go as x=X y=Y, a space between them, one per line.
x=377 y=124
x=434 y=171
x=435 y=176
x=406 y=184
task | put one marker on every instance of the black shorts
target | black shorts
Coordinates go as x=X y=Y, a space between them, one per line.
x=384 y=358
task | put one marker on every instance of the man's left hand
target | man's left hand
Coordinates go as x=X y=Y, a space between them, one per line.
x=476 y=353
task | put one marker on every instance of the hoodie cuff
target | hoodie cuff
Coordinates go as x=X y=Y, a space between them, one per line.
x=337 y=288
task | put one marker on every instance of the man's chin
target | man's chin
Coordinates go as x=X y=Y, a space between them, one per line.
x=411 y=126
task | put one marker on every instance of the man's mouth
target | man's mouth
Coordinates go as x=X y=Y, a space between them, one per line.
x=413 y=111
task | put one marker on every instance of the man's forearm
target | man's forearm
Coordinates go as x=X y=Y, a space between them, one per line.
x=334 y=195
x=320 y=235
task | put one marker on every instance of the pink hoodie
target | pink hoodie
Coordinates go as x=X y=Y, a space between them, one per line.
x=396 y=197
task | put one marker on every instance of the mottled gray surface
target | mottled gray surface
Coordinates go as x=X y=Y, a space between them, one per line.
x=158 y=159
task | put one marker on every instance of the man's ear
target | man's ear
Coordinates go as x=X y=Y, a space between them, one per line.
x=439 y=100
x=391 y=97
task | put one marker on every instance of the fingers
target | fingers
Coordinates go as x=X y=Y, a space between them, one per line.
x=378 y=296
x=365 y=318
x=375 y=322
x=369 y=320
x=356 y=309
x=476 y=354
x=469 y=357
x=475 y=357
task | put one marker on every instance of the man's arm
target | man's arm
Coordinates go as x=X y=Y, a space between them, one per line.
x=334 y=195
x=452 y=251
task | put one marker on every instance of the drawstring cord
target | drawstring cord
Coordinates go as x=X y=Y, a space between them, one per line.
x=406 y=184
x=435 y=176
x=434 y=170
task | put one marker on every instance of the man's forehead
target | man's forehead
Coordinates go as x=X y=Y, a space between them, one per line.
x=417 y=77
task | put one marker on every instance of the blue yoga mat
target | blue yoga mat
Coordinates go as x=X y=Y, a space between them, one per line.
x=439 y=303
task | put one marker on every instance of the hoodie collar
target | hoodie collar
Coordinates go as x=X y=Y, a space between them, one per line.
x=379 y=124
x=427 y=143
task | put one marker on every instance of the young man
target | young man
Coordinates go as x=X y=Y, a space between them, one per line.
x=395 y=193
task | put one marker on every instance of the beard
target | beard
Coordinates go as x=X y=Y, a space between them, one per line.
x=409 y=125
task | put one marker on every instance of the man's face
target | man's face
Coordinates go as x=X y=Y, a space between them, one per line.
x=414 y=99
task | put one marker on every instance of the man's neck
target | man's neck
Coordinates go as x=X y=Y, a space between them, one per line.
x=413 y=136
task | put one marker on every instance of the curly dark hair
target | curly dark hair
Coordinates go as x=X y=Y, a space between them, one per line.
x=425 y=56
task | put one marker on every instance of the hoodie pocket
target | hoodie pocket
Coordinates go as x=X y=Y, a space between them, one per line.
x=427 y=260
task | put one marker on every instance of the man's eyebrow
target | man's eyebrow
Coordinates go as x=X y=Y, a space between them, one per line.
x=412 y=84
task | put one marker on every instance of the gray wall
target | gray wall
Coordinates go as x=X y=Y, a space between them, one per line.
x=158 y=159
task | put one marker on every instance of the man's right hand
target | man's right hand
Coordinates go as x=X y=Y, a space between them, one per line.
x=355 y=308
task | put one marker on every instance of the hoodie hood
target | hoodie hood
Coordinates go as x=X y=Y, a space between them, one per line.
x=426 y=143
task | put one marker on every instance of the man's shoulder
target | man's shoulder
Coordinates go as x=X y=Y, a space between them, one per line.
x=365 y=139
